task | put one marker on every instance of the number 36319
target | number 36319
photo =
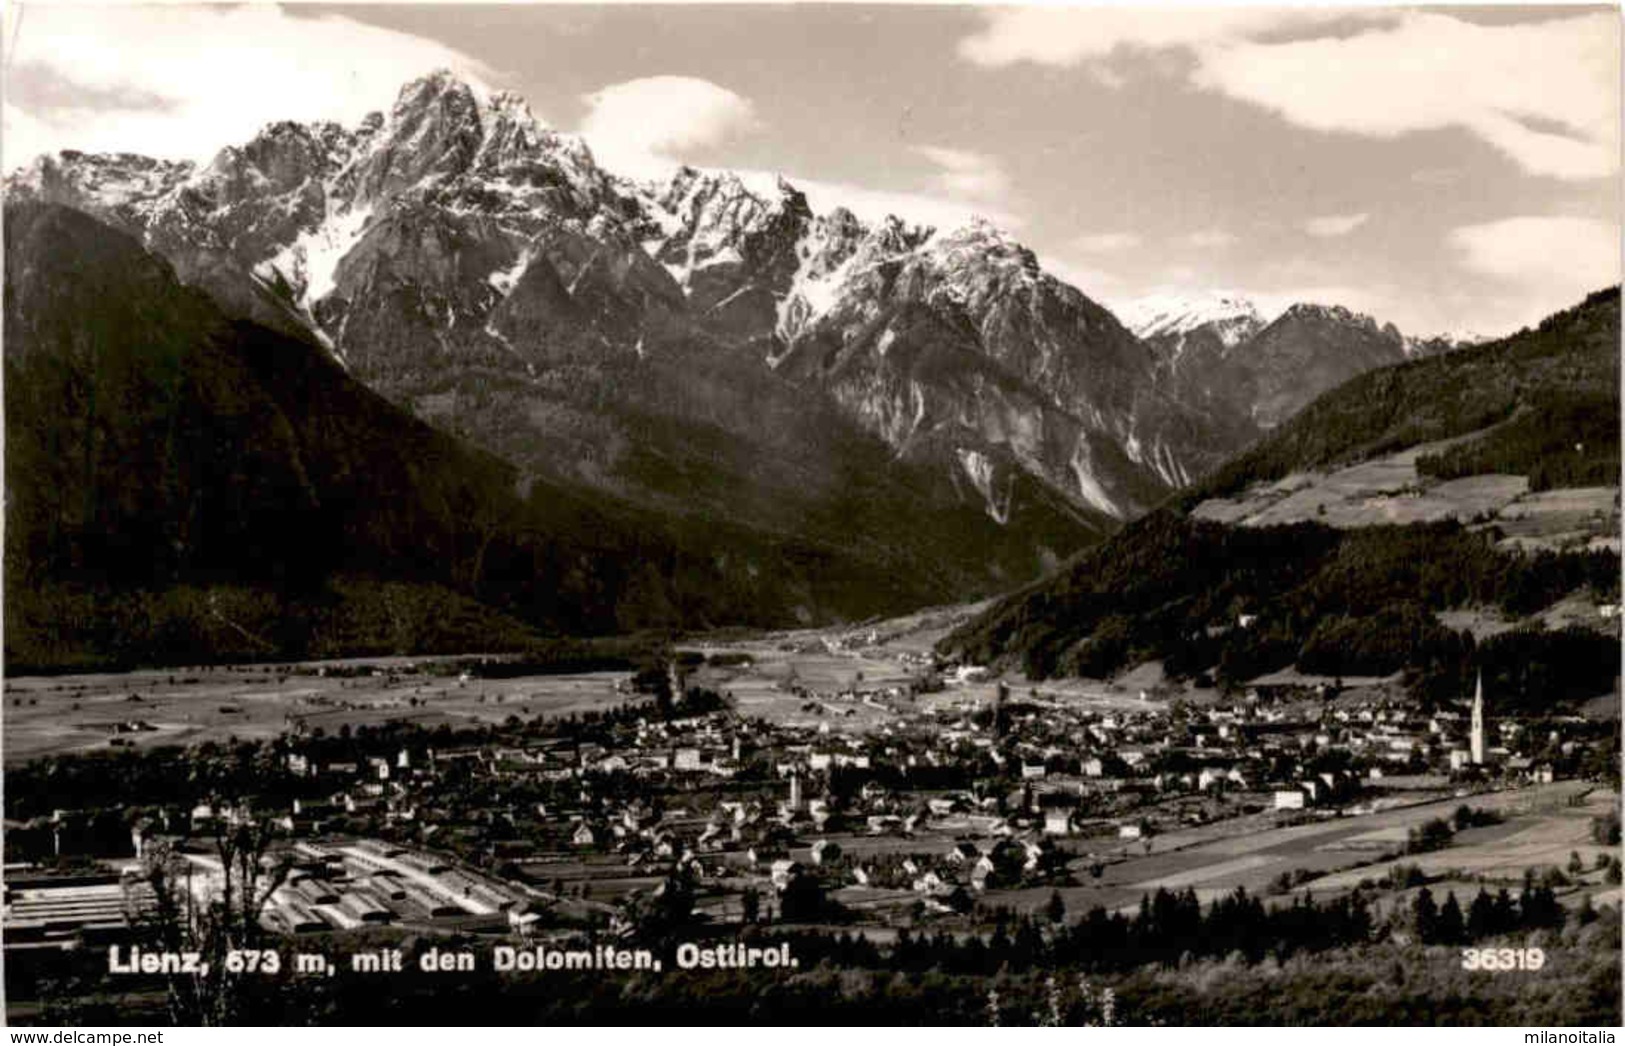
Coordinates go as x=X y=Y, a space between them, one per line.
x=1501 y=960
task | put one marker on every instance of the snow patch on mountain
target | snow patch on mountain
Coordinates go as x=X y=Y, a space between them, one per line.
x=503 y=280
x=328 y=246
x=980 y=469
x=814 y=289
x=917 y=392
x=310 y=263
x=726 y=255
x=1089 y=487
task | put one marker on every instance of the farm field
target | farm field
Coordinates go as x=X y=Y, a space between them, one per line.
x=52 y=715
x=1540 y=831
x=1390 y=490
x=1541 y=838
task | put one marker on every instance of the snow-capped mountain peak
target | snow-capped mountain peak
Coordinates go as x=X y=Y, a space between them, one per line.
x=1232 y=317
x=1332 y=313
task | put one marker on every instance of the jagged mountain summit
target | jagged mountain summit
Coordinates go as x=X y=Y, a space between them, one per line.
x=1308 y=350
x=952 y=346
x=1223 y=351
x=1232 y=318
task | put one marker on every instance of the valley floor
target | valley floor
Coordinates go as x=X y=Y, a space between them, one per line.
x=590 y=831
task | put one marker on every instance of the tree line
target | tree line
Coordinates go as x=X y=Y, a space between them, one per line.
x=1237 y=602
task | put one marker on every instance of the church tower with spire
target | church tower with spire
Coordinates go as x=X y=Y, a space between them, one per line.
x=1476 y=739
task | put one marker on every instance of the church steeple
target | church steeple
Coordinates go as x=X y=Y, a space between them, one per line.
x=1476 y=740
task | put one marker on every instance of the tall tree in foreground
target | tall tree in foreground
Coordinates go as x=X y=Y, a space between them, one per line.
x=211 y=904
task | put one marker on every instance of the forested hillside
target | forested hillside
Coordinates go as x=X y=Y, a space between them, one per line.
x=1564 y=372
x=1357 y=602
x=1226 y=603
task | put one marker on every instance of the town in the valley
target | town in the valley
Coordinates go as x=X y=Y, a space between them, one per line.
x=846 y=780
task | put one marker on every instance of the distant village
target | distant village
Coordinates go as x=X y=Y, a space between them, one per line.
x=946 y=807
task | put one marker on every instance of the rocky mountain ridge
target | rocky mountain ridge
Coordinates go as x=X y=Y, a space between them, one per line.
x=1225 y=351
x=457 y=228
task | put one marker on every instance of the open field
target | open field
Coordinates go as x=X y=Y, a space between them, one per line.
x=1540 y=839
x=875 y=657
x=1580 y=515
x=1390 y=490
x=51 y=715
x=914 y=633
x=1383 y=490
x=1577 y=609
x=1541 y=830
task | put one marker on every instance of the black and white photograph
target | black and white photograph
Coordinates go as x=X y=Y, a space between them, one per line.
x=799 y=514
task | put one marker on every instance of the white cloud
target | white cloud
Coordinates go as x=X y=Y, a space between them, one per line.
x=24 y=137
x=644 y=128
x=1072 y=35
x=1548 y=262
x=1106 y=242
x=975 y=176
x=1208 y=238
x=201 y=76
x=1438 y=175
x=1329 y=225
x=1546 y=94
x=1104 y=287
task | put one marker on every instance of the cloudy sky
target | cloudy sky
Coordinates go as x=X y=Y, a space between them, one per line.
x=1444 y=168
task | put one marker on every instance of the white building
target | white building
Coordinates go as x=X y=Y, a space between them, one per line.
x=1290 y=799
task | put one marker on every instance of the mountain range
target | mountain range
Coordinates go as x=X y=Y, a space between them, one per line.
x=927 y=408
x=1224 y=352
x=184 y=485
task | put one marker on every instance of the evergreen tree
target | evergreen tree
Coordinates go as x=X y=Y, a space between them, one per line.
x=1425 y=915
x=1539 y=908
x=1450 y=928
x=1481 y=916
x=1505 y=913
